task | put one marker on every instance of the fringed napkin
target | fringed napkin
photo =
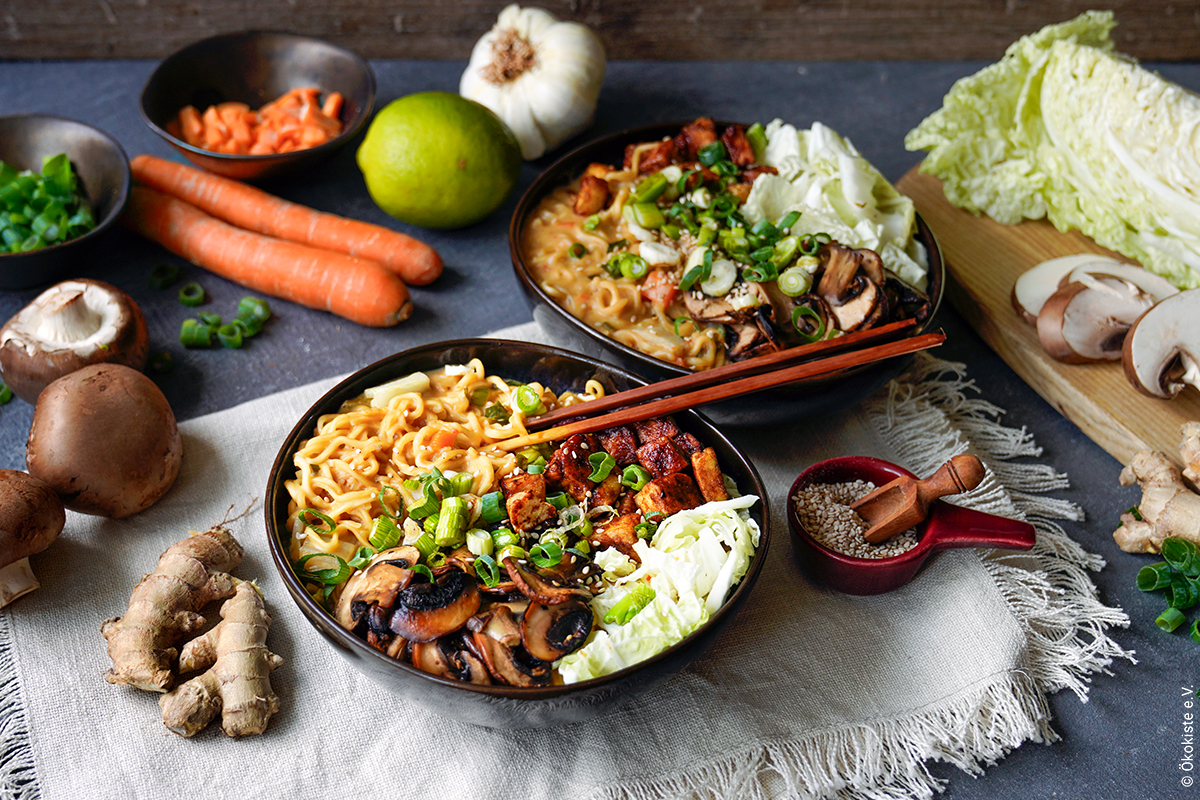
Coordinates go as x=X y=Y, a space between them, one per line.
x=808 y=693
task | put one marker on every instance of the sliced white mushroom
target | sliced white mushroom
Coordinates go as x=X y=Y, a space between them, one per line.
x=1154 y=285
x=1036 y=284
x=1087 y=320
x=1161 y=353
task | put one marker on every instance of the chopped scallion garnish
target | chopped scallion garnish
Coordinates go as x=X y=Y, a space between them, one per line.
x=191 y=294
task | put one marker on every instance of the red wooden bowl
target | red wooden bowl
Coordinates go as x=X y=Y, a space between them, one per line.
x=947 y=526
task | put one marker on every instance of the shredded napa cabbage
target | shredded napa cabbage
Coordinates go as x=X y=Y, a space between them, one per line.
x=1065 y=128
x=838 y=192
x=692 y=561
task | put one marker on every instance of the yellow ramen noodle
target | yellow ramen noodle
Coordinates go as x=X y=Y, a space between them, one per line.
x=356 y=452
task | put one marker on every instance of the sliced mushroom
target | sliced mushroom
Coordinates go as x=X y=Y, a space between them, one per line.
x=1154 y=285
x=1161 y=353
x=69 y=326
x=376 y=587
x=1087 y=320
x=510 y=664
x=851 y=285
x=425 y=611
x=550 y=631
x=1034 y=286
x=538 y=588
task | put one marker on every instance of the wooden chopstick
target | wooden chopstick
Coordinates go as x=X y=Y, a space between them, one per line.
x=723 y=391
x=728 y=372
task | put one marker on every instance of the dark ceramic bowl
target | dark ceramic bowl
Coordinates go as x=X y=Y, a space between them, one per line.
x=947 y=527
x=103 y=171
x=808 y=398
x=505 y=706
x=255 y=67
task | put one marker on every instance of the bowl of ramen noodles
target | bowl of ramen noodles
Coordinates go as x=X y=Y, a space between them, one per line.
x=505 y=585
x=683 y=246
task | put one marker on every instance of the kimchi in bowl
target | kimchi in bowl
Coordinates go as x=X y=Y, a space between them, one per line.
x=391 y=633
x=604 y=329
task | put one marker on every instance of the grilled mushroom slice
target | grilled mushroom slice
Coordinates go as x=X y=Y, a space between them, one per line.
x=425 y=611
x=550 y=631
x=372 y=592
x=852 y=285
x=540 y=589
x=506 y=660
x=450 y=657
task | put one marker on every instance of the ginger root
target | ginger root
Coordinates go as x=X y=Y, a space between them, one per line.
x=163 y=608
x=1168 y=508
x=237 y=683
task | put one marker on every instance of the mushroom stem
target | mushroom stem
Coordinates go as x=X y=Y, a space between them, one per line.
x=16 y=579
x=68 y=318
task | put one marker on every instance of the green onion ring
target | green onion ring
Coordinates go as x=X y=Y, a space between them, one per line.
x=577 y=250
x=322 y=517
x=191 y=294
x=487 y=570
x=805 y=311
x=546 y=554
x=1170 y=619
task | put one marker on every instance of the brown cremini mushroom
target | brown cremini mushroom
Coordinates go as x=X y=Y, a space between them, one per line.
x=104 y=438
x=550 y=631
x=851 y=285
x=426 y=611
x=31 y=518
x=1087 y=319
x=69 y=326
x=1161 y=352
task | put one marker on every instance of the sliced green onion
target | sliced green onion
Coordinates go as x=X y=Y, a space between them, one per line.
x=681 y=184
x=1170 y=619
x=462 y=483
x=546 y=554
x=385 y=533
x=426 y=505
x=699 y=273
x=711 y=153
x=618 y=243
x=1154 y=576
x=805 y=311
x=480 y=542
x=628 y=606
x=635 y=477
x=811 y=244
x=577 y=250
x=536 y=469
x=788 y=221
x=679 y=321
x=650 y=189
x=330 y=577
x=1182 y=554
x=382 y=497
x=311 y=512
x=210 y=319
x=528 y=401
x=362 y=557
x=250 y=326
x=647 y=215
x=1182 y=593
x=794 y=281
x=491 y=508
x=421 y=569
x=591 y=223
x=602 y=465
x=254 y=307
x=503 y=537
x=645 y=529
x=1196 y=631
x=487 y=570
x=194 y=334
x=430 y=523
x=633 y=267
x=425 y=545
x=560 y=501
x=191 y=295
x=1134 y=512
x=6 y=394
x=163 y=275
x=510 y=551
x=230 y=336
x=582 y=547
x=575 y=551
x=496 y=413
x=671 y=231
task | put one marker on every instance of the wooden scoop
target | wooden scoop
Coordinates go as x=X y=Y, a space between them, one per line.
x=900 y=504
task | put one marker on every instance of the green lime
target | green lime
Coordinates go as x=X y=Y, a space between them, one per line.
x=439 y=160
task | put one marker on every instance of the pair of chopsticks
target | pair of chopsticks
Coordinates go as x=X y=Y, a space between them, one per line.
x=722 y=383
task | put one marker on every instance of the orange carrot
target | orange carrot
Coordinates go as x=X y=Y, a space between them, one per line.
x=247 y=207
x=359 y=290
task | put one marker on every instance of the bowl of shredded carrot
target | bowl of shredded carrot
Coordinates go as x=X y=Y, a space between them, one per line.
x=256 y=104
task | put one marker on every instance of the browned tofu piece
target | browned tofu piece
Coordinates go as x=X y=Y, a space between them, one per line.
x=751 y=175
x=694 y=136
x=607 y=491
x=653 y=430
x=664 y=496
x=621 y=443
x=687 y=443
x=592 y=197
x=620 y=533
x=651 y=159
x=525 y=500
x=598 y=170
x=569 y=467
x=707 y=473
x=661 y=457
x=737 y=145
x=627 y=503
x=739 y=190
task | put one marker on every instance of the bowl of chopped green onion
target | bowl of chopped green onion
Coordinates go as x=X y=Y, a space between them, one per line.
x=62 y=184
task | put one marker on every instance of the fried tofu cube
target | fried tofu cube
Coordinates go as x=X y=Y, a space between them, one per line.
x=687 y=443
x=667 y=495
x=606 y=492
x=694 y=136
x=525 y=500
x=707 y=473
x=651 y=159
x=592 y=197
x=598 y=170
x=737 y=145
x=620 y=533
x=661 y=457
x=652 y=430
x=569 y=468
x=621 y=443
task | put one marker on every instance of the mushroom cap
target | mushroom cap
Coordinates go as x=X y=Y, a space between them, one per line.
x=1161 y=352
x=105 y=439
x=31 y=516
x=69 y=326
x=1087 y=320
x=1034 y=286
x=550 y=631
x=425 y=611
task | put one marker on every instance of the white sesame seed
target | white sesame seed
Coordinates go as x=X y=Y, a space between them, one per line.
x=824 y=511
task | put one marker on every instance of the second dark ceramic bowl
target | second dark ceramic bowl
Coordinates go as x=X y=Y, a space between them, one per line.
x=255 y=67
x=810 y=398
x=103 y=171
x=506 y=706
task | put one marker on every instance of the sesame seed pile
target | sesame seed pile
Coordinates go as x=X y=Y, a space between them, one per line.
x=824 y=510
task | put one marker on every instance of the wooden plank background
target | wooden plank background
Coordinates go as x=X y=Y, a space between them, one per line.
x=631 y=29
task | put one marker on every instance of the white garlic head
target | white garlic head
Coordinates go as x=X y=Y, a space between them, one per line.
x=540 y=75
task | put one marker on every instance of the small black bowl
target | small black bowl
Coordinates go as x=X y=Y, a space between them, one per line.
x=256 y=67
x=808 y=398
x=506 y=706
x=103 y=170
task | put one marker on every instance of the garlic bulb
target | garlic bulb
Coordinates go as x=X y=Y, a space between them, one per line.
x=540 y=75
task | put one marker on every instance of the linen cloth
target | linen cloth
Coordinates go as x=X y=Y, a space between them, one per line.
x=807 y=693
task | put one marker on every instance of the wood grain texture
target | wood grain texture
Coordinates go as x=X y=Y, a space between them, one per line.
x=983 y=260
x=631 y=29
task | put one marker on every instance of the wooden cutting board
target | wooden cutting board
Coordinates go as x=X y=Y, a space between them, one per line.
x=983 y=259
